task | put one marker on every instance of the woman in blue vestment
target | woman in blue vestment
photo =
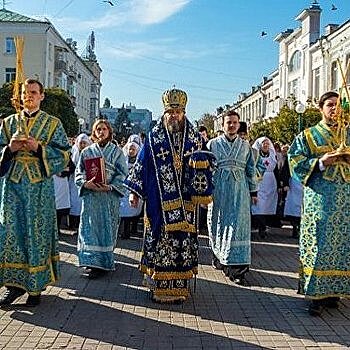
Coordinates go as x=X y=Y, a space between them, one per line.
x=100 y=202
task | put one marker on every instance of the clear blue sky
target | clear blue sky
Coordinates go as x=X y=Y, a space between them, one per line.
x=212 y=49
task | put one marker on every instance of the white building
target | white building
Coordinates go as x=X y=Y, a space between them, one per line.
x=52 y=60
x=309 y=65
x=139 y=118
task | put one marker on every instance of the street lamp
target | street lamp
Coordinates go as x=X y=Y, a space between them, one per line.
x=300 y=109
x=81 y=122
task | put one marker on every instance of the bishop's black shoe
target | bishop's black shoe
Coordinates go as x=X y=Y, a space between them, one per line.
x=216 y=263
x=11 y=294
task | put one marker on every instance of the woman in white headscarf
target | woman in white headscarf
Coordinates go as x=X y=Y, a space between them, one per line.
x=81 y=142
x=129 y=215
x=267 y=186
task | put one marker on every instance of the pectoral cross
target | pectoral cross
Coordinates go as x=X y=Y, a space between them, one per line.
x=162 y=154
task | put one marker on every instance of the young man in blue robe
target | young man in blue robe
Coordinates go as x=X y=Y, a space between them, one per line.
x=325 y=228
x=163 y=177
x=28 y=230
x=235 y=188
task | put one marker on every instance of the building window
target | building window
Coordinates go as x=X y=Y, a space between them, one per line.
x=293 y=88
x=10 y=46
x=295 y=62
x=10 y=74
x=334 y=75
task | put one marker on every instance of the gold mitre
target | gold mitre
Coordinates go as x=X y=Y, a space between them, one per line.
x=174 y=98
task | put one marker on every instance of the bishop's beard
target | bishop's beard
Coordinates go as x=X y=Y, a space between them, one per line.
x=175 y=126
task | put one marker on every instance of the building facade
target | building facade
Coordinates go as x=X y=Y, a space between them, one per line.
x=134 y=119
x=52 y=60
x=309 y=65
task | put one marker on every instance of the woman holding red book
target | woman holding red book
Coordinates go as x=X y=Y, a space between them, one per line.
x=99 y=175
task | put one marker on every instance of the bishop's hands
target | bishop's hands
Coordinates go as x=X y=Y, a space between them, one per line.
x=133 y=200
x=254 y=200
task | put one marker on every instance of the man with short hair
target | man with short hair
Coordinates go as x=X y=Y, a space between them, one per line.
x=203 y=131
x=166 y=177
x=317 y=162
x=28 y=231
x=235 y=188
x=243 y=130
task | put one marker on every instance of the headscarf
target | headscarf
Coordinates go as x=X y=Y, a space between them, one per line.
x=127 y=146
x=135 y=138
x=258 y=143
x=75 y=148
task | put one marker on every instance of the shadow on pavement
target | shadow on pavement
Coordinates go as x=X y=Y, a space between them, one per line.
x=91 y=320
x=116 y=309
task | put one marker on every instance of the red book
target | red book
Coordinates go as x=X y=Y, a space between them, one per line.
x=95 y=168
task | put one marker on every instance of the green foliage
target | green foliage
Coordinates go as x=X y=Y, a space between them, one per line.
x=6 y=108
x=58 y=104
x=122 y=124
x=107 y=103
x=207 y=120
x=286 y=125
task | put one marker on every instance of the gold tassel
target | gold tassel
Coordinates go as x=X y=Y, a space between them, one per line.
x=202 y=199
x=199 y=164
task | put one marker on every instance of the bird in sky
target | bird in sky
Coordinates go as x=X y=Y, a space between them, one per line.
x=109 y=2
x=263 y=33
x=334 y=7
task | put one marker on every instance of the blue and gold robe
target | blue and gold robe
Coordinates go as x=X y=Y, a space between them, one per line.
x=99 y=218
x=229 y=214
x=160 y=176
x=325 y=227
x=28 y=230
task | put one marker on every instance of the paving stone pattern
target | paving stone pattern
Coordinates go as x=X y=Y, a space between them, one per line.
x=115 y=312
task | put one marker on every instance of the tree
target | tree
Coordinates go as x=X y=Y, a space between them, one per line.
x=207 y=120
x=56 y=102
x=122 y=124
x=6 y=108
x=107 y=103
x=286 y=125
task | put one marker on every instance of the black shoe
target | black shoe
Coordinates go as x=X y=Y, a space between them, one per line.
x=33 y=300
x=216 y=263
x=95 y=273
x=262 y=233
x=315 y=308
x=226 y=271
x=295 y=233
x=239 y=281
x=237 y=274
x=331 y=302
x=11 y=294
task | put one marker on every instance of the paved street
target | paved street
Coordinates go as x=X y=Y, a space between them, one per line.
x=115 y=312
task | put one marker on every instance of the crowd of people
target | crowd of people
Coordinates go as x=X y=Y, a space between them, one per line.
x=183 y=183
